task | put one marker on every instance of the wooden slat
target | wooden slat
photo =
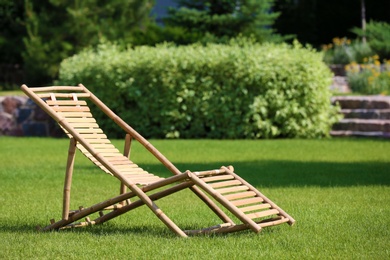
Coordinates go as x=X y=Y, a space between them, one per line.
x=121 y=160
x=84 y=124
x=89 y=130
x=85 y=130
x=76 y=114
x=262 y=214
x=144 y=180
x=107 y=154
x=144 y=177
x=71 y=109
x=247 y=201
x=63 y=95
x=240 y=195
x=93 y=159
x=96 y=137
x=56 y=88
x=144 y=183
x=209 y=173
x=93 y=141
x=66 y=102
x=274 y=221
x=124 y=164
x=132 y=171
x=255 y=207
x=225 y=183
x=89 y=155
x=107 y=150
x=103 y=146
x=217 y=178
x=129 y=167
x=232 y=189
x=141 y=175
x=128 y=164
x=72 y=120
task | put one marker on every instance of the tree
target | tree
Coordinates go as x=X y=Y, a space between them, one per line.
x=11 y=15
x=318 y=22
x=378 y=37
x=220 y=20
x=57 y=29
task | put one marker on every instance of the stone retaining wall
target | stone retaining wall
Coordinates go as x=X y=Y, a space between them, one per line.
x=364 y=115
x=20 y=116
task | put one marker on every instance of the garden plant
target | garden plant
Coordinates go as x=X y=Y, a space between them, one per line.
x=371 y=77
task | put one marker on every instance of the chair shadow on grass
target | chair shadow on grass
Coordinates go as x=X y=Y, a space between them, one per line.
x=300 y=174
x=271 y=173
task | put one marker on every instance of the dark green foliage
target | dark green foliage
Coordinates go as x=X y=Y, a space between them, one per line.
x=219 y=21
x=318 y=21
x=11 y=29
x=241 y=90
x=378 y=37
x=57 y=29
x=11 y=14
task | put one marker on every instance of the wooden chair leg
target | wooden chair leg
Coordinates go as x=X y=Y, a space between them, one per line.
x=126 y=152
x=127 y=149
x=68 y=178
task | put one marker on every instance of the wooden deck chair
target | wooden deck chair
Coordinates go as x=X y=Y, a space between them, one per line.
x=222 y=190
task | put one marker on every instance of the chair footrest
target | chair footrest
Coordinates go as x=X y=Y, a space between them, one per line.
x=243 y=200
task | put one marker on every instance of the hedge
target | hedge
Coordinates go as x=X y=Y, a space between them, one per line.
x=240 y=90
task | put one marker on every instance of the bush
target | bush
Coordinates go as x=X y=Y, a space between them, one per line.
x=240 y=90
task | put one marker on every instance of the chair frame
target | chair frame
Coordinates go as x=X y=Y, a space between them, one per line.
x=195 y=181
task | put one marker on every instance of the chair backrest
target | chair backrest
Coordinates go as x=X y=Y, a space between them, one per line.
x=69 y=107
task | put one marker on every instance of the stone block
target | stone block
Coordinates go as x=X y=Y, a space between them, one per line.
x=362 y=102
x=7 y=123
x=35 y=129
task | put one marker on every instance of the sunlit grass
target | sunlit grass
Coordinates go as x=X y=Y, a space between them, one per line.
x=337 y=190
x=15 y=92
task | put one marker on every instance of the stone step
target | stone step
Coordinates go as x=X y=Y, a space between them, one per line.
x=362 y=102
x=358 y=133
x=363 y=125
x=366 y=113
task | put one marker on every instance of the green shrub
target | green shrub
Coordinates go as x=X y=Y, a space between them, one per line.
x=240 y=90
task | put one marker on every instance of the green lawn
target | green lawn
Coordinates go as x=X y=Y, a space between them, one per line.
x=11 y=93
x=338 y=190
